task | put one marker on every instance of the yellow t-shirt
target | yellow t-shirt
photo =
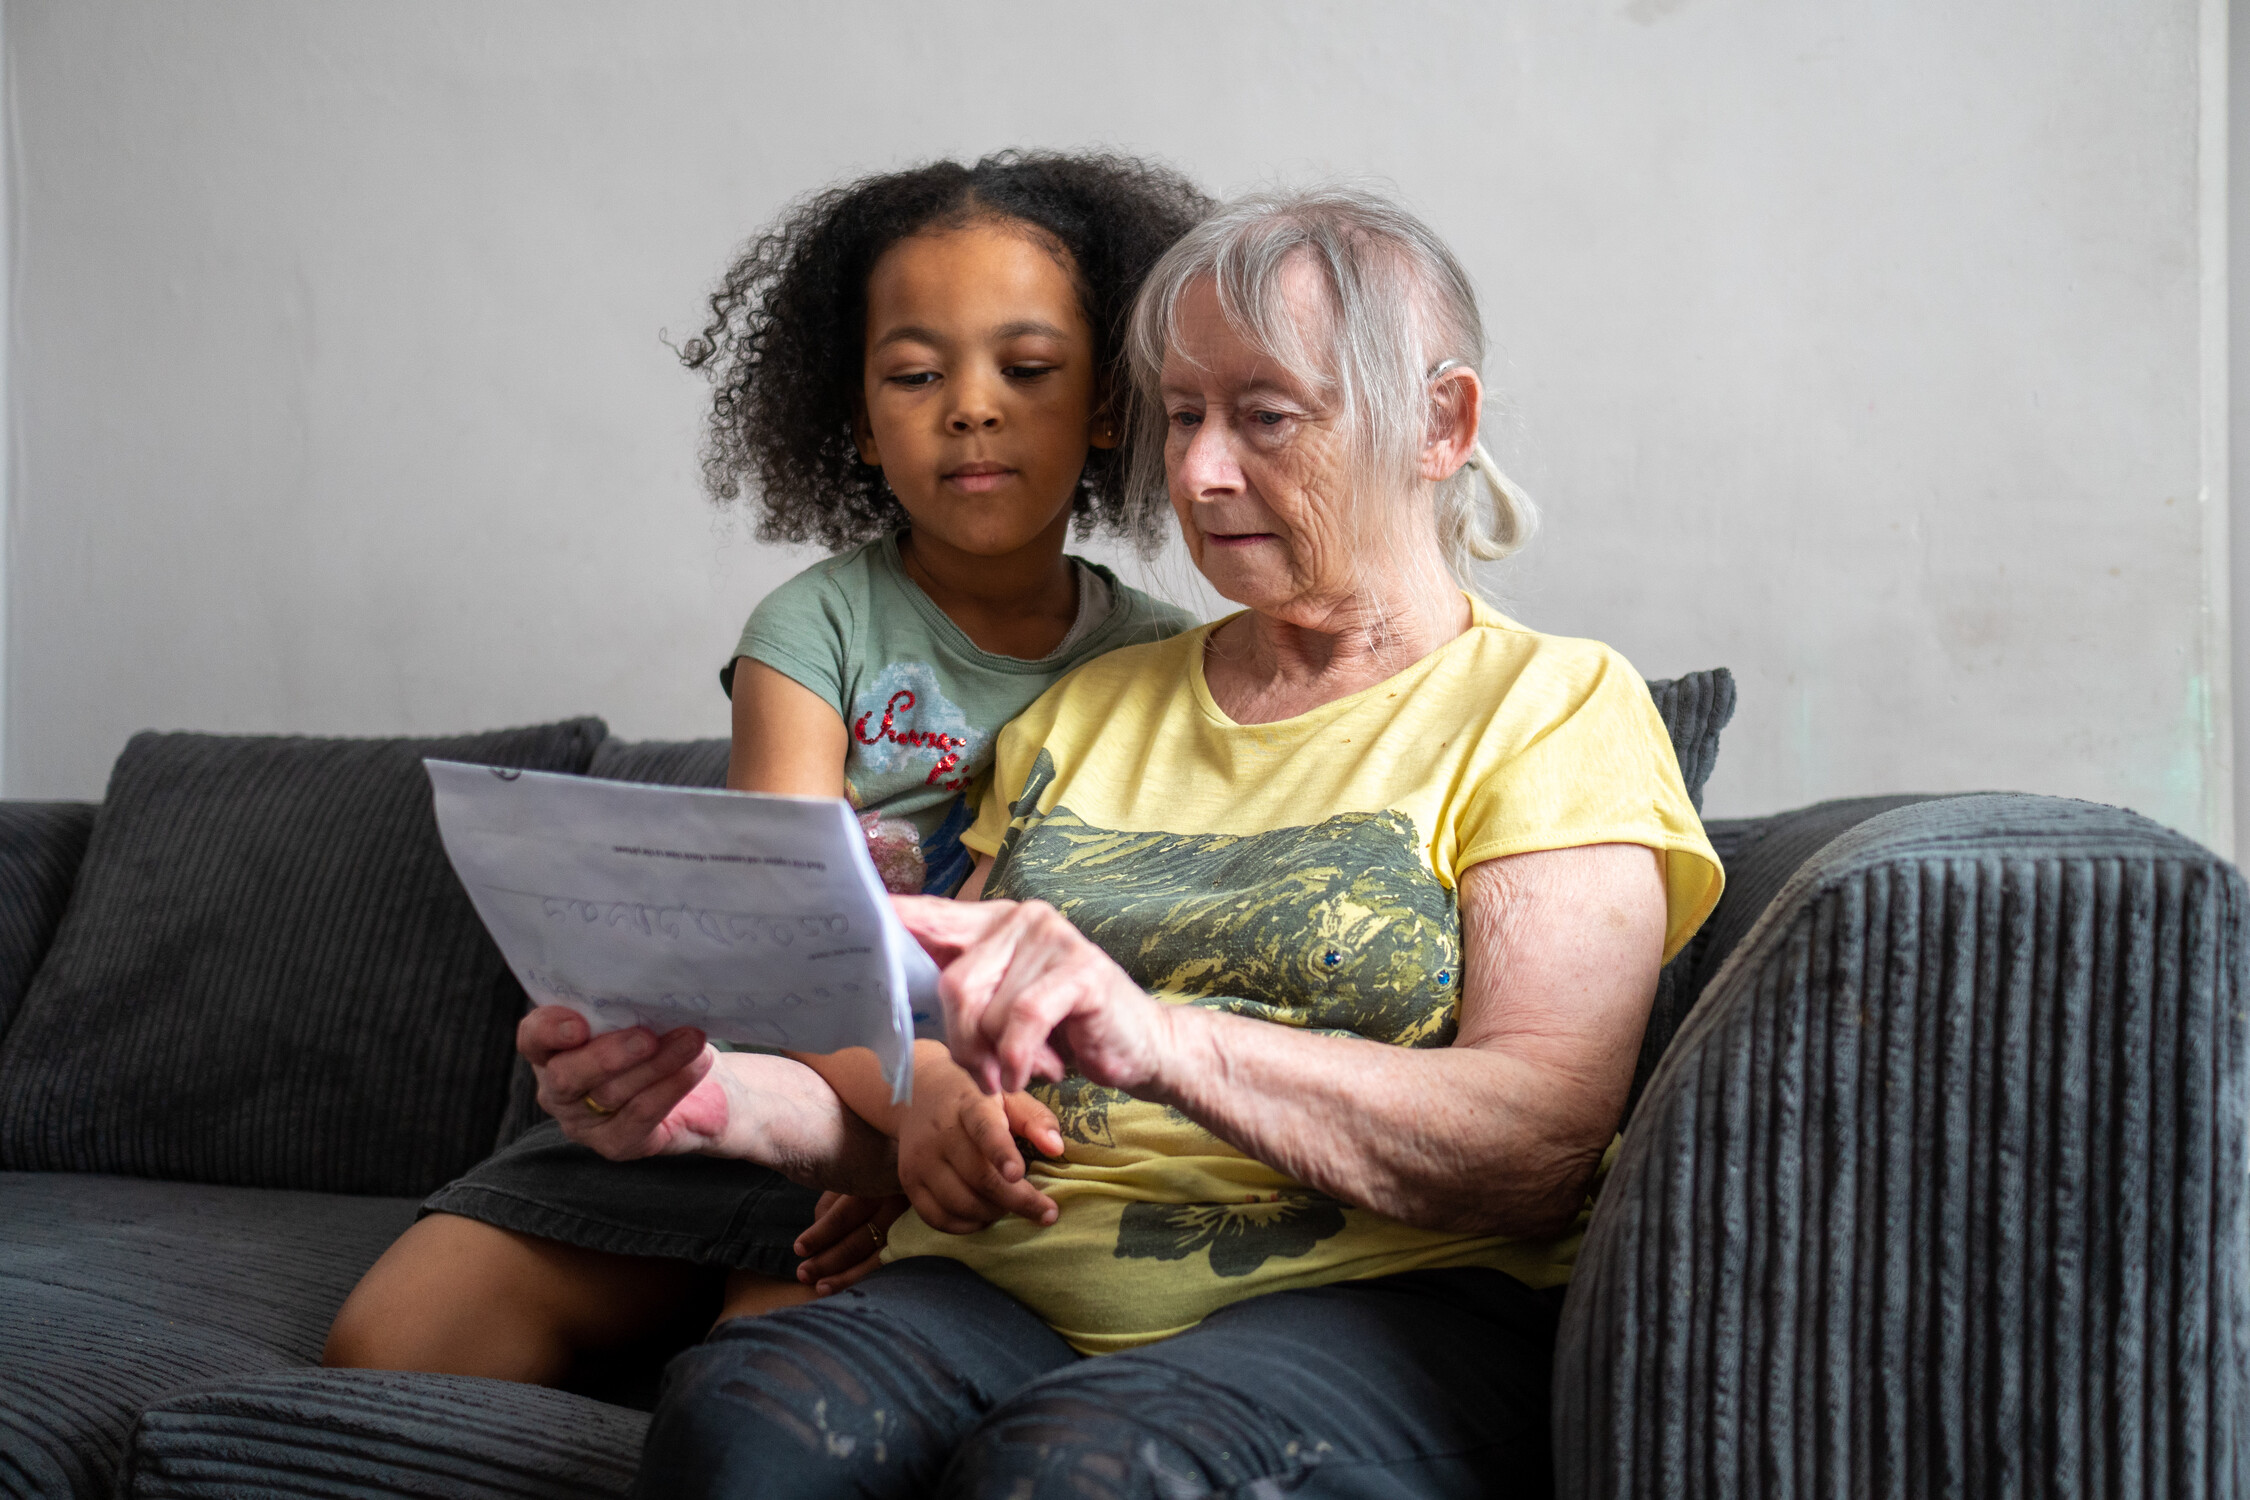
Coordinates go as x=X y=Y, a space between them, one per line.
x=1302 y=873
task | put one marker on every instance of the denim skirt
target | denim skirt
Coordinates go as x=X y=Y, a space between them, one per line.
x=727 y=1214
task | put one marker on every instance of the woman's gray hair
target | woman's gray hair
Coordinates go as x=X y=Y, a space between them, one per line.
x=1402 y=311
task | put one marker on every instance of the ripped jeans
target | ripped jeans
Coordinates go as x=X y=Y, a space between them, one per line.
x=925 y=1379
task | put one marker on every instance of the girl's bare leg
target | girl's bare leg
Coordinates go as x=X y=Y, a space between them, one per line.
x=457 y=1296
x=749 y=1294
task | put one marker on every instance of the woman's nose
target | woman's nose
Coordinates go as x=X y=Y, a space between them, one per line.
x=1207 y=464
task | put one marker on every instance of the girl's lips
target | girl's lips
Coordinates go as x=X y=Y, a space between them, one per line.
x=976 y=479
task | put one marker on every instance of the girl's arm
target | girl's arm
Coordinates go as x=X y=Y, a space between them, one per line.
x=961 y=1152
x=787 y=738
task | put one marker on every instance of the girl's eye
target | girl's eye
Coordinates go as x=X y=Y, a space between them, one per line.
x=916 y=380
x=1028 y=372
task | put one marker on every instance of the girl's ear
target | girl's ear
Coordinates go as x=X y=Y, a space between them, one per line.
x=1103 y=431
x=863 y=436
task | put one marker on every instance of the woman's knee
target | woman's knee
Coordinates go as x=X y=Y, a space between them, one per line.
x=1115 y=1426
x=866 y=1392
x=807 y=1401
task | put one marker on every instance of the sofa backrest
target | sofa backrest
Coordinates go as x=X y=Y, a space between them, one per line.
x=41 y=844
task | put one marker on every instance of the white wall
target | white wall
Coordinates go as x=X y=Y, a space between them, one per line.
x=1856 y=346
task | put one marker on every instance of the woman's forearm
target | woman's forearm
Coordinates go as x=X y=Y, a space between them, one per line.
x=1462 y=1138
x=783 y=1115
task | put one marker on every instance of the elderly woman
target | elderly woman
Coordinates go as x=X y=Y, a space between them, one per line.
x=1328 y=932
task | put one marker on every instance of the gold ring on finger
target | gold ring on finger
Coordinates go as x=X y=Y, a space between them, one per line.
x=875 y=1236
x=599 y=1109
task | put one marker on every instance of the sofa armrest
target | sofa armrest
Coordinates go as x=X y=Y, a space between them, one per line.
x=41 y=844
x=1941 y=1187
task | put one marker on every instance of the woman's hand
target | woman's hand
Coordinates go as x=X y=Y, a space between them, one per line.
x=629 y=1094
x=626 y=1094
x=1027 y=996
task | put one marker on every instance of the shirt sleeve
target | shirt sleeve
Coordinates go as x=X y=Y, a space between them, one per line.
x=1578 y=756
x=803 y=630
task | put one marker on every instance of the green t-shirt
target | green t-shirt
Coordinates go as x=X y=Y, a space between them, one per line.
x=921 y=702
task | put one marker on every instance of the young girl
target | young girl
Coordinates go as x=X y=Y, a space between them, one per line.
x=921 y=370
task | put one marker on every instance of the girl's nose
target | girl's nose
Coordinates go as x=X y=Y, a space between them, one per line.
x=974 y=411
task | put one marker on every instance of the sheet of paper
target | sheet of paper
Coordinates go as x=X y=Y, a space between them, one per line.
x=754 y=918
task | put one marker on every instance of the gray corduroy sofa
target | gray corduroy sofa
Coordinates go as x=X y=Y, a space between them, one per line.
x=1935 y=1182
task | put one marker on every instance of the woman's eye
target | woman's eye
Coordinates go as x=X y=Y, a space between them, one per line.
x=1187 y=419
x=1269 y=418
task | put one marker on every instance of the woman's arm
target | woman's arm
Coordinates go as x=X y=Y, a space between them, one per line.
x=629 y=1094
x=1496 y=1134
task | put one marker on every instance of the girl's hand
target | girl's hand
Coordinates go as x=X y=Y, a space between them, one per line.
x=1027 y=996
x=845 y=1240
x=957 y=1156
x=627 y=1094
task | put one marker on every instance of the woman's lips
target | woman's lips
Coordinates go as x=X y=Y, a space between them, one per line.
x=1236 y=538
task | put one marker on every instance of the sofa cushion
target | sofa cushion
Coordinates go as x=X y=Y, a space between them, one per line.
x=268 y=974
x=41 y=844
x=355 y=1433
x=1694 y=709
x=114 y=1290
x=662 y=762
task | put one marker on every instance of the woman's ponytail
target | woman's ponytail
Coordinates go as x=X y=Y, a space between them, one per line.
x=1482 y=516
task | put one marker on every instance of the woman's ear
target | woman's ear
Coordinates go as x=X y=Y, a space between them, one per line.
x=1456 y=412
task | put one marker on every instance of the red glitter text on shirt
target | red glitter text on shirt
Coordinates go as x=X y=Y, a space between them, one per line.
x=948 y=746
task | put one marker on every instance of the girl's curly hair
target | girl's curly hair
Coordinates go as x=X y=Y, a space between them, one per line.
x=788 y=327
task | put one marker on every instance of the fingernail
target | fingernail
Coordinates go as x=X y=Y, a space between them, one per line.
x=638 y=1044
x=824 y=1289
x=1049 y=1216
